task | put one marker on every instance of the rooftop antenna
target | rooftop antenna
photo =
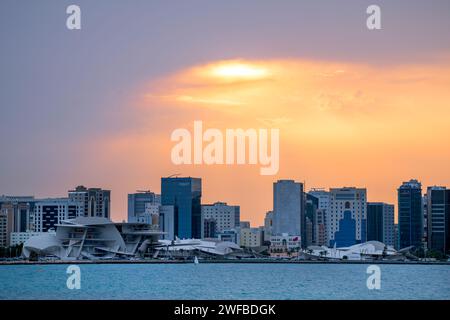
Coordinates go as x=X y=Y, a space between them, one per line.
x=174 y=175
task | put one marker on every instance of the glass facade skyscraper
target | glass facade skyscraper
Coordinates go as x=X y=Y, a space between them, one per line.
x=438 y=218
x=288 y=207
x=309 y=221
x=380 y=222
x=410 y=214
x=185 y=195
x=375 y=221
x=137 y=202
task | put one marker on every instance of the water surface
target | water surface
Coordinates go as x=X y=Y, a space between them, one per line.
x=225 y=281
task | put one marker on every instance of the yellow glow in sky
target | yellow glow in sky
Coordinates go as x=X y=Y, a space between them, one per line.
x=238 y=71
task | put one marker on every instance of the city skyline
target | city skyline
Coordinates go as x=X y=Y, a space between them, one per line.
x=340 y=217
x=152 y=194
x=97 y=106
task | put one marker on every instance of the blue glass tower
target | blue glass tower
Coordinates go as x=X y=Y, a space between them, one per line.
x=185 y=195
x=375 y=221
x=438 y=219
x=410 y=214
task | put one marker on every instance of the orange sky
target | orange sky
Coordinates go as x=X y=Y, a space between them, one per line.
x=341 y=124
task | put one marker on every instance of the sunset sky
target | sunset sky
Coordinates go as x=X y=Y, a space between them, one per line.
x=97 y=106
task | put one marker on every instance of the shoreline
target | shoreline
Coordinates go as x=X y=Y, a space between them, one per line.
x=253 y=261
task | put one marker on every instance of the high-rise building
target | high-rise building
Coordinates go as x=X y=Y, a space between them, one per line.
x=425 y=216
x=268 y=226
x=137 y=202
x=309 y=221
x=185 y=195
x=50 y=212
x=323 y=196
x=153 y=213
x=21 y=208
x=347 y=216
x=95 y=202
x=209 y=228
x=150 y=215
x=438 y=219
x=321 y=229
x=410 y=214
x=6 y=226
x=322 y=216
x=288 y=207
x=396 y=238
x=226 y=217
x=167 y=222
x=380 y=222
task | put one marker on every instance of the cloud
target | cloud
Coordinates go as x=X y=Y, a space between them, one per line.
x=296 y=89
x=340 y=124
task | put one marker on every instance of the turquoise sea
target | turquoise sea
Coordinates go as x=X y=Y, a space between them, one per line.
x=224 y=281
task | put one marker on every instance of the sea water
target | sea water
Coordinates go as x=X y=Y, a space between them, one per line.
x=224 y=281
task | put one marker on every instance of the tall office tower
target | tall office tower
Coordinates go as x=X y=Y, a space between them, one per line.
x=425 y=216
x=438 y=219
x=209 y=228
x=21 y=208
x=6 y=226
x=145 y=207
x=323 y=196
x=268 y=226
x=347 y=216
x=185 y=195
x=137 y=202
x=167 y=222
x=227 y=217
x=322 y=220
x=309 y=221
x=396 y=240
x=288 y=207
x=95 y=202
x=50 y=212
x=149 y=216
x=321 y=229
x=410 y=214
x=380 y=222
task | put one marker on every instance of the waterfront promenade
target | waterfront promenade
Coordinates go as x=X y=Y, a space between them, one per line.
x=209 y=261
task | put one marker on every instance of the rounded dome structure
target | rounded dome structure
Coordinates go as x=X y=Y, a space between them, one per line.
x=42 y=245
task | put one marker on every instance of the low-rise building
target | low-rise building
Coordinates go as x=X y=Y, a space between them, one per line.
x=93 y=238
x=251 y=237
x=233 y=235
x=18 y=238
x=159 y=216
x=284 y=245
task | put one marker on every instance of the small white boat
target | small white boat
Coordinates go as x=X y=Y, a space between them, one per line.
x=195 y=260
